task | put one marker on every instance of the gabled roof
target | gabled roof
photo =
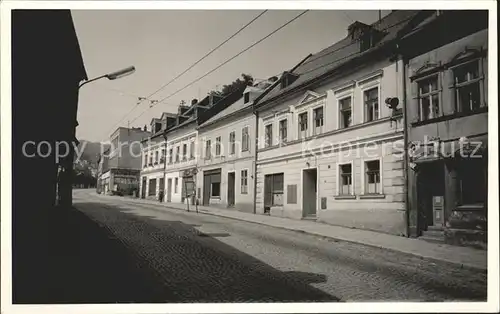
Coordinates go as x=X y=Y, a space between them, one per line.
x=344 y=51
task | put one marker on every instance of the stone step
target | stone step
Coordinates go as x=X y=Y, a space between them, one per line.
x=435 y=228
x=432 y=239
x=434 y=233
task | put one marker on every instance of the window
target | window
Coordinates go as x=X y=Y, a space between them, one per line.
x=283 y=131
x=184 y=151
x=372 y=177
x=170 y=155
x=345 y=112
x=273 y=187
x=244 y=181
x=162 y=159
x=269 y=135
x=176 y=185
x=152 y=187
x=217 y=146
x=428 y=97
x=346 y=180
x=247 y=97
x=467 y=87
x=191 y=150
x=215 y=189
x=371 y=104
x=245 y=139
x=156 y=157
x=151 y=159
x=232 y=143
x=145 y=160
x=177 y=153
x=303 y=125
x=318 y=120
x=208 y=149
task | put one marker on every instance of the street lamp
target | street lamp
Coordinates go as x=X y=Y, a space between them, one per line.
x=112 y=76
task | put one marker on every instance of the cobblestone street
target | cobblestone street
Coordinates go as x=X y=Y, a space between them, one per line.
x=203 y=258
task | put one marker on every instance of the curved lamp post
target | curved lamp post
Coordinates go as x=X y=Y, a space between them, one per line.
x=65 y=197
x=112 y=76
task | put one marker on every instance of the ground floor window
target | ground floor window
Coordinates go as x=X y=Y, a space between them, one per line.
x=372 y=177
x=244 y=181
x=176 y=185
x=273 y=186
x=345 y=186
x=215 y=189
x=152 y=187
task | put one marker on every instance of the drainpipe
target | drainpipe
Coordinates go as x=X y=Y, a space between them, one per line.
x=405 y=139
x=165 y=168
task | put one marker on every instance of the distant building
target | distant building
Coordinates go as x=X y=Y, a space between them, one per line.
x=227 y=157
x=120 y=167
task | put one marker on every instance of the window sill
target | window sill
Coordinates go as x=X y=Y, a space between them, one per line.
x=371 y=196
x=215 y=197
x=470 y=207
x=345 y=197
x=450 y=117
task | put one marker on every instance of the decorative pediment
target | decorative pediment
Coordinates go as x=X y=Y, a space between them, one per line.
x=428 y=66
x=467 y=53
x=308 y=96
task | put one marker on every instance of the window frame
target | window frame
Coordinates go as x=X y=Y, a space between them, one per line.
x=244 y=191
x=184 y=151
x=176 y=185
x=315 y=127
x=208 y=149
x=299 y=124
x=366 y=88
x=340 y=111
x=456 y=87
x=245 y=139
x=273 y=191
x=364 y=176
x=429 y=95
x=192 y=149
x=232 y=143
x=177 y=153
x=340 y=181
x=268 y=136
x=218 y=148
x=212 y=190
x=283 y=139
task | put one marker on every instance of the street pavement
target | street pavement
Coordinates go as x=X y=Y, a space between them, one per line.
x=204 y=258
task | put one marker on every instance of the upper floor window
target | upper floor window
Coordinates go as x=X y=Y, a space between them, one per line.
x=145 y=160
x=371 y=104
x=162 y=159
x=177 y=153
x=318 y=120
x=303 y=125
x=247 y=97
x=428 y=98
x=208 y=149
x=217 y=146
x=345 y=112
x=170 y=155
x=283 y=130
x=467 y=87
x=245 y=139
x=191 y=150
x=156 y=157
x=269 y=135
x=232 y=143
x=184 y=151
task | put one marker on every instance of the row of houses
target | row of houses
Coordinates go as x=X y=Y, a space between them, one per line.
x=385 y=130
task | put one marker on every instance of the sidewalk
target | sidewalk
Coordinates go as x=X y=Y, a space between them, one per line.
x=464 y=256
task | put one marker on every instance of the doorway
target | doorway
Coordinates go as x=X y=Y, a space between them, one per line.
x=169 y=190
x=143 y=190
x=309 y=193
x=231 y=180
x=430 y=182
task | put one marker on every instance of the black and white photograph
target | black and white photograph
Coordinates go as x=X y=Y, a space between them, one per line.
x=249 y=156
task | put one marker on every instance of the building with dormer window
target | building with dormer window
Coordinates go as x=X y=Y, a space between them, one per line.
x=331 y=145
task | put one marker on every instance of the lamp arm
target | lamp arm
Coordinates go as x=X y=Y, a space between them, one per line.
x=91 y=80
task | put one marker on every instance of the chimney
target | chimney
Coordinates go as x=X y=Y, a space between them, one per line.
x=356 y=29
x=145 y=128
x=194 y=102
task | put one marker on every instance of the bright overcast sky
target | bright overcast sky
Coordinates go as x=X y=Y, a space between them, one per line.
x=163 y=43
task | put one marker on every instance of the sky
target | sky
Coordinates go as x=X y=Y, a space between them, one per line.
x=163 y=43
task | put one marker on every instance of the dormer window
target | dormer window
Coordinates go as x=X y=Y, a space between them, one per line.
x=247 y=97
x=288 y=78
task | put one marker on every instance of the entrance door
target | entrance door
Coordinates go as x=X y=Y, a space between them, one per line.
x=169 y=189
x=230 y=188
x=430 y=182
x=206 y=190
x=309 y=192
x=143 y=190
